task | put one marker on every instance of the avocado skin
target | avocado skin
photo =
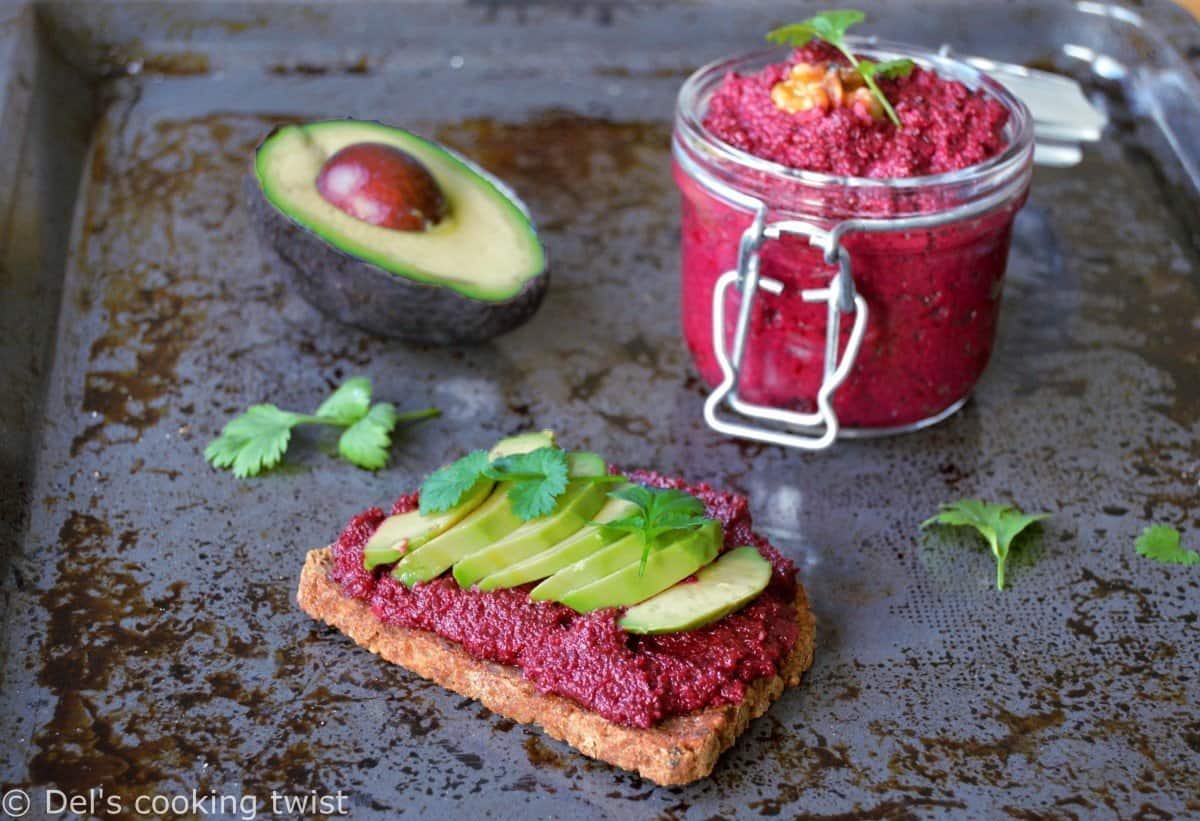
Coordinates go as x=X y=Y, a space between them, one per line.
x=358 y=293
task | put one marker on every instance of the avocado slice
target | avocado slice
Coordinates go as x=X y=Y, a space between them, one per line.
x=667 y=564
x=522 y=443
x=488 y=518
x=726 y=585
x=405 y=532
x=603 y=562
x=490 y=522
x=477 y=272
x=582 y=544
x=576 y=506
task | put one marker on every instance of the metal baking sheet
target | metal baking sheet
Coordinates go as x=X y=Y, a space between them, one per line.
x=151 y=644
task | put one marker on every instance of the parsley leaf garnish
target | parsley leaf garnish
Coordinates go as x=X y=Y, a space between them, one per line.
x=349 y=403
x=254 y=441
x=658 y=512
x=536 y=481
x=998 y=524
x=366 y=442
x=1162 y=544
x=831 y=27
x=446 y=486
x=888 y=69
x=539 y=477
x=257 y=440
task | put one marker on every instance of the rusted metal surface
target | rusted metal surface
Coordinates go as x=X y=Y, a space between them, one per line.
x=151 y=644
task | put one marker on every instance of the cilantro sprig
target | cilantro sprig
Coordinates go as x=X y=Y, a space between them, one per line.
x=257 y=440
x=1162 y=543
x=659 y=511
x=998 y=524
x=831 y=27
x=538 y=478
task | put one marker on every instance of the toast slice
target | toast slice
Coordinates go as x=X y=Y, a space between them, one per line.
x=678 y=750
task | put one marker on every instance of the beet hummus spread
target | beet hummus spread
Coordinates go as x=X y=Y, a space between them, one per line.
x=933 y=293
x=631 y=680
x=946 y=126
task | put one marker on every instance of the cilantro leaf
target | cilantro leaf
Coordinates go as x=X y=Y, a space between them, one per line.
x=535 y=481
x=539 y=477
x=998 y=524
x=658 y=512
x=349 y=403
x=1162 y=544
x=445 y=487
x=793 y=34
x=888 y=69
x=257 y=440
x=366 y=442
x=254 y=441
x=831 y=27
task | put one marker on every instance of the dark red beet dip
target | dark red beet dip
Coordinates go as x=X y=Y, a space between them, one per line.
x=946 y=125
x=631 y=680
x=933 y=294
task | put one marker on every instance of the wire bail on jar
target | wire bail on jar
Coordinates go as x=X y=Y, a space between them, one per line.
x=811 y=431
x=818 y=430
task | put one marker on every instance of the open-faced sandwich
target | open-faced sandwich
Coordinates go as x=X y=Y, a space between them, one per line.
x=638 y=618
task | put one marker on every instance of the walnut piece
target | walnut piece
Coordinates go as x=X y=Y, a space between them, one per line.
x=825 y=86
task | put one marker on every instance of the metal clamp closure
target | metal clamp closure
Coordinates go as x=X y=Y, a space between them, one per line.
x=810 y=431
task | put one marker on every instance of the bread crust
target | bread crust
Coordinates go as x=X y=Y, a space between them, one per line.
x=677 y=750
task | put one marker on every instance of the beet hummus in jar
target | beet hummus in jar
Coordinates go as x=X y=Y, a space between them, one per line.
x=841 y=275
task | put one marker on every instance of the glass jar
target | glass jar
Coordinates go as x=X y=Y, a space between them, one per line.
x=821 y=306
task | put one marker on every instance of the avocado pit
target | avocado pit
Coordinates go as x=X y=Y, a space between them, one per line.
x=382 y=185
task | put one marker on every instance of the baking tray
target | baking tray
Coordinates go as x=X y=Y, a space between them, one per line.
x=151 y=645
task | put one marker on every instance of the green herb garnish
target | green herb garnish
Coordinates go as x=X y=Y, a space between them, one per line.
x=831 y=27
x=257 y=440
x=999 y=525
x=658 y=512
x=888 y=69
x=538 y=479
x=1162 y=544
x=446 y=486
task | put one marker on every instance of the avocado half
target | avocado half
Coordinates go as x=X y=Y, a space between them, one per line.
x=479 y=272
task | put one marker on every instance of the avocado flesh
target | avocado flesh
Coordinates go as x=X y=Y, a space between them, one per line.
x=489 y=519
x=575 y=507
x=667 y=564
x=522 y=443
x=582 y=544
x=490 y=522
x=583 y=463
x=405 y=532
x=726 y=585
x=603 y=562
x=485 y=248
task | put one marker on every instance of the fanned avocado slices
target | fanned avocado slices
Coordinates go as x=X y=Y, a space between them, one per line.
x=581 y=563
x=382 y=549
x=406 y=532
x=582 y=544
x=681 y=556
x=577 y=505
x=603 y=562
x=728 y=584
x=488 y=523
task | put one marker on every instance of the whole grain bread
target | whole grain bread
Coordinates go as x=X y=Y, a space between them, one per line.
x=678 y=750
